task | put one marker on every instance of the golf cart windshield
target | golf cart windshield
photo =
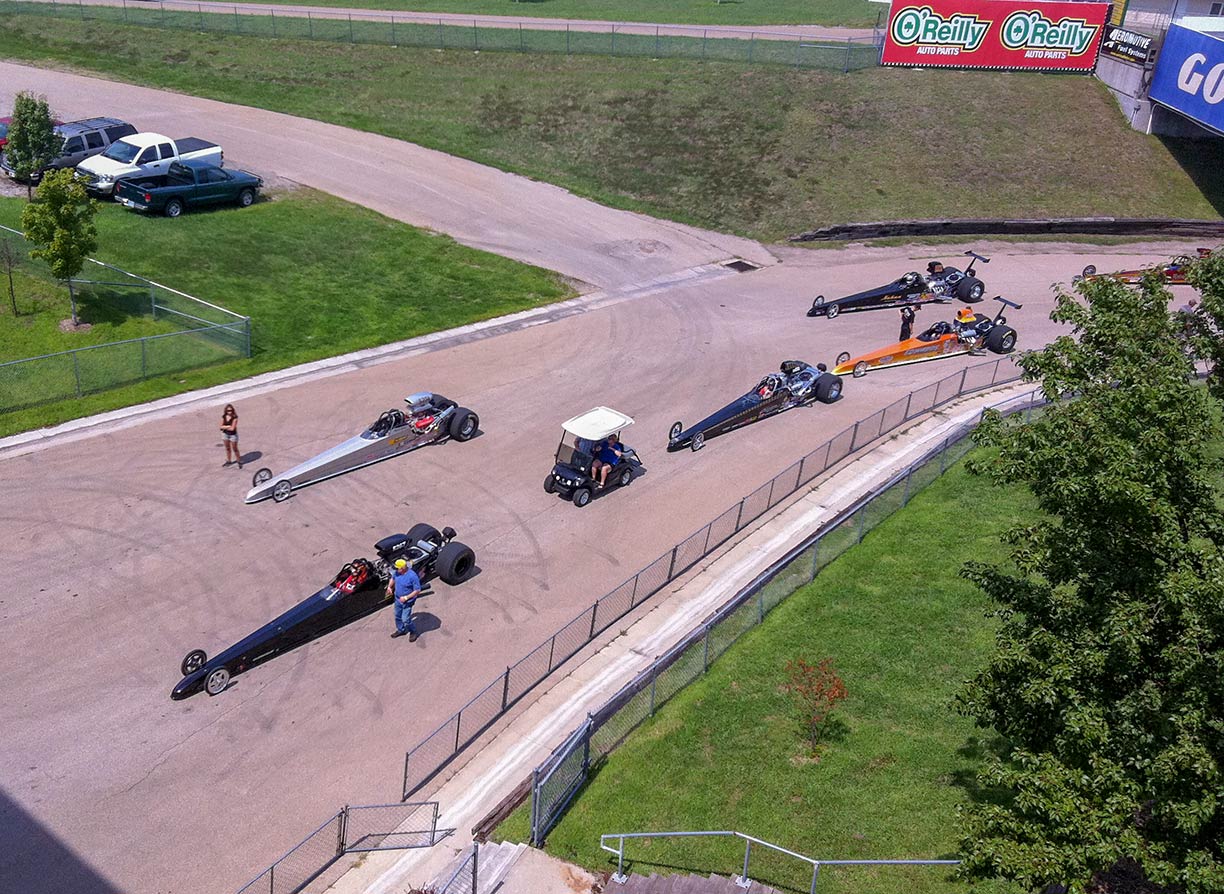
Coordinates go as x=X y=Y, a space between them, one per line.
x=575 y=451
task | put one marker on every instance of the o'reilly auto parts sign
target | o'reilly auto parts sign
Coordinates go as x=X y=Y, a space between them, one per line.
x=1189 y=76
x=1000 y=34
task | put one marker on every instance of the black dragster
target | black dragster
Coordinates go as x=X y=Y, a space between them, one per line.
x=939 y=283
x=796 y=384
x=359 y=589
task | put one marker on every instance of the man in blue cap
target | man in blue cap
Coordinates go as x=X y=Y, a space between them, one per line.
x=405 y=586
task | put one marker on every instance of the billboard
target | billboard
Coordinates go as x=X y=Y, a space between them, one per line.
x=999 y=34
x=1189 y=76
x=1129 y=46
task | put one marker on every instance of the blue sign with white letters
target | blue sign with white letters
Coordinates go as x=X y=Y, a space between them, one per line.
x=1189 y=76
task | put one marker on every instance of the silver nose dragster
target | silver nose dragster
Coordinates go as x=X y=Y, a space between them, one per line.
x=427 y=419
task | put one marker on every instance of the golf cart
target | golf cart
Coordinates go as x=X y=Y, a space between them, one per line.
x=572 y=475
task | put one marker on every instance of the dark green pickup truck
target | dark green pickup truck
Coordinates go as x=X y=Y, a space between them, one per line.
x=188 y=184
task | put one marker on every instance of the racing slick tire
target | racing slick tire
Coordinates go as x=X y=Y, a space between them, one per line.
x=828 y=388
x=841 y=358
x=582 y=496
x=674 y=432
x=833 y=311
x=194 y=660
x=174 y=208
x=455 y=563
x=464 y=424
x=423 y=531
x=817 y=306
x=1001 y=340
x=697 y=442
x=550 y=485
x=624 y=476
x=970 y=290
x=283 y=489
x=1090 y=270
x=860 y=369
x=217 y=681
x=260 y=477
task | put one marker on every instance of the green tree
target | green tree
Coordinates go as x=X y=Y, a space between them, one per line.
x=1106 y=686
x=60 y=221
x=32 y=141
x=1206 y=324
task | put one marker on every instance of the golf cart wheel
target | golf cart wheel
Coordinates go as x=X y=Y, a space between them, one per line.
x=860 y=369
x=675 y=431
x=833 y=311
x=1001 y=340
x=1090 y=270
x=841 y=358
x=217 y=681
x=550 y=485
x=422 y=531
x=582 y=496
x=624 y=477
x=282 y=490
x=464 y=424
x=455 y=562
x=698 y=441
x=260 y=477
x=195 y=660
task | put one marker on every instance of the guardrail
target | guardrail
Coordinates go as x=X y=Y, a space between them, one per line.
x=744 y=880
x=352 y=830
x=1094 y=226
x=428 y=757
x=759 y=46
x=556 y=781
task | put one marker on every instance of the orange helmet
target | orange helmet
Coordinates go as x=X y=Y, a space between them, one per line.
x=964 y=315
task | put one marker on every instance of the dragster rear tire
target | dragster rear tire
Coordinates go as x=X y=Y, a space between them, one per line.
x=455 y=563
x=1001 y=340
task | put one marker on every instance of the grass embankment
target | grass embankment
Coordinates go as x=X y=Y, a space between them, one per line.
x=759 y=150
x=318 y=277
x=856 y=13
x=727 y=752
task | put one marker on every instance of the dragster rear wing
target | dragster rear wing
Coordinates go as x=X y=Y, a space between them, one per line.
x=976 y=257
x=1006 y=304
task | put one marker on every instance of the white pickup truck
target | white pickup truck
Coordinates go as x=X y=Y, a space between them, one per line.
x=143 y=153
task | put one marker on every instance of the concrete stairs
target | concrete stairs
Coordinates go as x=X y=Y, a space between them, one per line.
x=493 y=865
x=684 y=884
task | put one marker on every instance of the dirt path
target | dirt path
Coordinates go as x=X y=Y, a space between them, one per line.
x=479 y=206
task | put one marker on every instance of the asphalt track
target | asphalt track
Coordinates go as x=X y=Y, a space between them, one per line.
x=126 y=549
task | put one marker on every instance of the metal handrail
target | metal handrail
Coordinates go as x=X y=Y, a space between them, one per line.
x=743 y=880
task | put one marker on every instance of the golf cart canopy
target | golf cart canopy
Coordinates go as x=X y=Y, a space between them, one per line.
x=596 y=424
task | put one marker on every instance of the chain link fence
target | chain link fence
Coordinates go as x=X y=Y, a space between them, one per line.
x=558 y=779
x=186 y=332
x=428 y=757
x=464 y=879
x=314 y=864
x=368 y=27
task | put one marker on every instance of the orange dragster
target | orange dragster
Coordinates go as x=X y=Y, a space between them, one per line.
x=969 y=333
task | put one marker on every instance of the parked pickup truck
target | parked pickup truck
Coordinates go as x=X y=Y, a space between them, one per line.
x=143 y=154
x=188 y=184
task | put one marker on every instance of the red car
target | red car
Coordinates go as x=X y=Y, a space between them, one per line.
x=4 y=126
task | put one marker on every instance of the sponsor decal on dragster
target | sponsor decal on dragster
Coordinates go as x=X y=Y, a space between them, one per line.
x=996 y=34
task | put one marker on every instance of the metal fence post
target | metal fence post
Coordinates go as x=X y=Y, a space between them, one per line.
x=672 y=567
x=705 y=651
x=567 y=38
x=552 y=645
x=351 y=39
x=751 y=41
x=433 y=826
x=163 y=13
x=656 y=40
x=854 y=438
x=908 y=474
x=961 y=390
x=943 y=452
x=815 y=560
x=273 y=12
x=404 y=787
x=798 y=44
x=594 y=615
x=908 y=402
x=458 y=729
x=475 y=36
x=199 y=12
x=815 y=874
x=144 y=366
x=341 y=830
x=586 y=746
x=862 y=519
x=653 y=677
x=505 y=688
x=475 y=867
x=535 y=805
x=739 y=515
x=705 y=34
x=441 y=36
x=769 y=499
x=76 y=372
x=846 y=65
x=125 y=16
x=747 y=853
x=522 y=48
x=760 y=607
x=613 y=40
x=310 y=25
x=394 y=42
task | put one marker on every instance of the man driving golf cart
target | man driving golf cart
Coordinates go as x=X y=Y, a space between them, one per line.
x=590 y=456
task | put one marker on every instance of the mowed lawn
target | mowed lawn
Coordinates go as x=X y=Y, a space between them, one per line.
x=904 y=631
x=317 y=276
x=685 y=12
x=761 y=150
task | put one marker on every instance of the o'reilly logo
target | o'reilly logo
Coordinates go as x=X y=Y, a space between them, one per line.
x=1032 y=31
x=935 y=34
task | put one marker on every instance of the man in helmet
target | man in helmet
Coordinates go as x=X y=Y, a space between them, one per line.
x=405 y=587
x=935 y=269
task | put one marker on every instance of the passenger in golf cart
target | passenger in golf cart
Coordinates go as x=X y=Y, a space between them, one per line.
x=584 y=459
